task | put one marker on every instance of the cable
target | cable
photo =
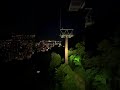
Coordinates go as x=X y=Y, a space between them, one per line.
x=60 y=18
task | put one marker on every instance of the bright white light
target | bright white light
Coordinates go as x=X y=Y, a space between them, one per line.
x=38 y=71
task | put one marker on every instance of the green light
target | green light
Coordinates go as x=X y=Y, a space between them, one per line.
x=75 y=59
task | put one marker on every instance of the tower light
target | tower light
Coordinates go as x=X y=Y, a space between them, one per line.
x=66 y=33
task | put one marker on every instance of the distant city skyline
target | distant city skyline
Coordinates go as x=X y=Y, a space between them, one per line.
x=21 y=47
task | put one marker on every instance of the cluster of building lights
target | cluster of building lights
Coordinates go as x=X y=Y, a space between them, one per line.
x=23 y=46
x=45 y=45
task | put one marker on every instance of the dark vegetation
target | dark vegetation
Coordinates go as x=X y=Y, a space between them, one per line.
x=97 y=71
x=94 y=62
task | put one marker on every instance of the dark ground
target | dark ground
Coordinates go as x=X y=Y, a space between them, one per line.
x=21 y=75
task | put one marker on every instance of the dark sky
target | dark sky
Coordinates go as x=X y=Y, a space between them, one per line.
x=42 y=17
x=107 y=20
x=39 y=17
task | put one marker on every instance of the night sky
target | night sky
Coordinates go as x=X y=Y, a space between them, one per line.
x=43 y=17
x=107 y=20
x=39 y=17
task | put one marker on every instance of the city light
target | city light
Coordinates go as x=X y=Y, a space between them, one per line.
x=46 y=45
x=20 y=47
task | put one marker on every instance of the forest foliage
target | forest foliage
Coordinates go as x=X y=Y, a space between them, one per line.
x=87 y=72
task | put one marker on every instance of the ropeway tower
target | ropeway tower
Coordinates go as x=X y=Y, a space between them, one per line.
x=65 y=33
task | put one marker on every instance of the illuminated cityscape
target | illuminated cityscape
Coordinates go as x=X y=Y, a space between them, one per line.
x=21 y=47
x=45 y=45
x=60 y=45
